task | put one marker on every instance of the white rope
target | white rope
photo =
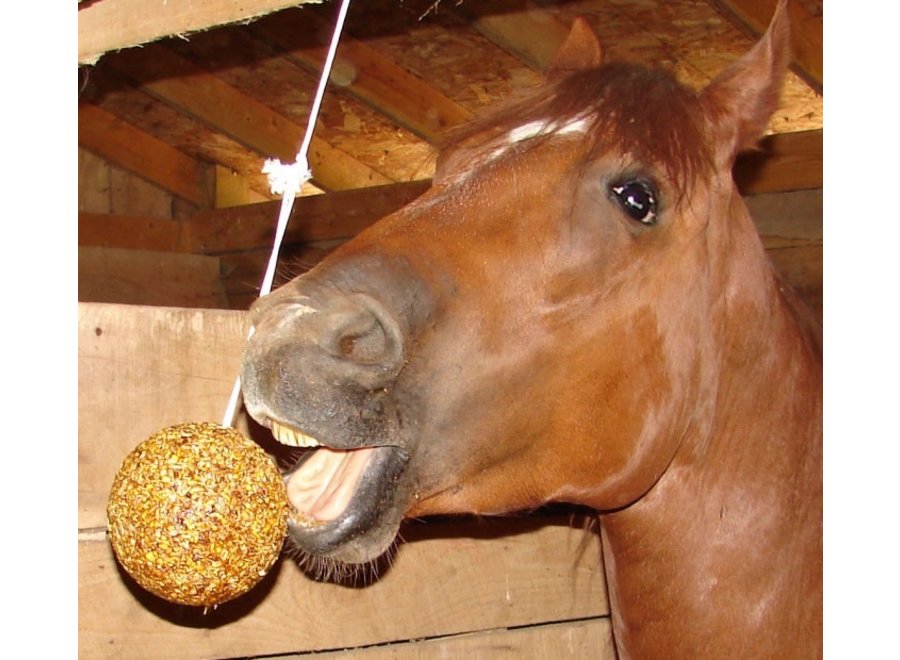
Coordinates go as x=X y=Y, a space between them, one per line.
x=286 y=180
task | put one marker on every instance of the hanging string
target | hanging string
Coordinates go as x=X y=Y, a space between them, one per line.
x=286 y=180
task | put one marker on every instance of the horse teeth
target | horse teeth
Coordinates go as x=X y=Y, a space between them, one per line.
x=292 y=437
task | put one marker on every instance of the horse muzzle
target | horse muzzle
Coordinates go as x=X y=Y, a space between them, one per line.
x=320 y=371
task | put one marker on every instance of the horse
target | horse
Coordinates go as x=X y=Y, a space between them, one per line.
x=579 y=310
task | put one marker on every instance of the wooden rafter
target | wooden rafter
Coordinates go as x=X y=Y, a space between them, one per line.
x=180 y=83
x=116 y=24
x=365 y=74
x=132 y=149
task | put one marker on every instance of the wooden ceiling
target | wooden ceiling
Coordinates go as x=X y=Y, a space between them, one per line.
x=213 y=104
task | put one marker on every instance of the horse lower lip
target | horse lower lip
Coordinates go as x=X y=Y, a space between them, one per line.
x=321 y=488
x=368 y=514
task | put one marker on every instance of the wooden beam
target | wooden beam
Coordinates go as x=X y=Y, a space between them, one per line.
x=149 y=157
x=144 y=277
x=753 y=17
x=574 y=640
x=478 y=576
x=339 y=215
x=182 y=84
x=133 y=233
x=784 y=161
x=232 y=189
x=365 y=74
x=116 y=24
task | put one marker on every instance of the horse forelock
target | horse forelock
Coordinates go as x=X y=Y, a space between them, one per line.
x=643 y=113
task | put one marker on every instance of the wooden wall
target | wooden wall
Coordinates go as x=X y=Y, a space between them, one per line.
x=521 y=587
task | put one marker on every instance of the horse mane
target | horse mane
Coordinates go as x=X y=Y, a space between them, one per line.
x=642 y=112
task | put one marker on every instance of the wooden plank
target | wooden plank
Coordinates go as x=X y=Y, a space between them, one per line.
x=129 y=232
x=141 y=153
x=232 y=189
x=131 y=194
x=789 y=219
x=578 y=639
x=753 y=17
x=365 y=74
x=784 y=161
x=182 y=84
x=93 y=182
x=446 y=578
x=141 y=277
x=314 y=218
x=116 y=24
x=141 y=369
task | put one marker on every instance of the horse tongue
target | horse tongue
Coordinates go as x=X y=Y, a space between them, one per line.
x=322 y=487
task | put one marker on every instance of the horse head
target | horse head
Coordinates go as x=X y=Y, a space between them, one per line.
x=568 y=314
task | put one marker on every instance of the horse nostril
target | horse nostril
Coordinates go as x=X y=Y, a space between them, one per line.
x=347 y=345
x=365 y=335
x=369 y=347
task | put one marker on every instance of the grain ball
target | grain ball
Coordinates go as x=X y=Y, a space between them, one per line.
x=197 y=514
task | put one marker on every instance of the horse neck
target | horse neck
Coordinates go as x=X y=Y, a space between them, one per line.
x=740 y=504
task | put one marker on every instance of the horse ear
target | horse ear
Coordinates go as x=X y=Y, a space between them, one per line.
x=742 y=99
x=580 y=51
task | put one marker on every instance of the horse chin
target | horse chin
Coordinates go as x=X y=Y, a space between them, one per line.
x=347 y=506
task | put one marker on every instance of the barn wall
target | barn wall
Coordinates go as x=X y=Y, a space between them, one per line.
x=106 y=188
x=524 y=587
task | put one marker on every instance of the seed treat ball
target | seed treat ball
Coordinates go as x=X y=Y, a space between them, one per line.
x=197 y=514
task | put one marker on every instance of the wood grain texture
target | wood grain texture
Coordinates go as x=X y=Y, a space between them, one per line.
x=116 y=24
x=591 y=638
x=144 y=277
x=364 y=73
x=183 y=85
x=446 y=579
x=141 y=369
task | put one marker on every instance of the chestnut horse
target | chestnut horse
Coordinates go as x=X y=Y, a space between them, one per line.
x=579 y=310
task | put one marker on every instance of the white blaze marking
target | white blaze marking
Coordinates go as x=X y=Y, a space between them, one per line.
x=535 y=128
x=521 y=134
x=526 y=132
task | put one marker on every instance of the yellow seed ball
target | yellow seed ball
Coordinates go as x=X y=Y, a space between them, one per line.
x=197 y=514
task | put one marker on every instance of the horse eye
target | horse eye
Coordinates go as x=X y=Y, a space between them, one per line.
x=638 y=199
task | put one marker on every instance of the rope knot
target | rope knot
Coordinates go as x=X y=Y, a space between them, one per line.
x=286 y=176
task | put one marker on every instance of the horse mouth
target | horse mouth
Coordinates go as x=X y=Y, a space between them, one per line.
x=342 y=499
